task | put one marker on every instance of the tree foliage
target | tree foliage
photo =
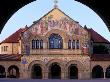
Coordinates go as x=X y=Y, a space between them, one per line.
x=100 y=49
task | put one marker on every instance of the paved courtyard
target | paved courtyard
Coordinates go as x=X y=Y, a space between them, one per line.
x=34 y=80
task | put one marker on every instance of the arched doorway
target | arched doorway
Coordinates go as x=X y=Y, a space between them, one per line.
x=97 y=72
x=2 y=72
x=107 y=75
x=73 y=71
x=55 y=71
x=36 y=72
x=55 y=41
x=13 y=72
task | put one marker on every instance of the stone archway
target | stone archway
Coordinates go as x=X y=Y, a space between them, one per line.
x=60 y=68
x=75 y=67
x=97 y=72
x=73 y=71
x=40 y=66
x=36 y=72
x=2 y=72
x=55 y=71
x=107 y=73
x=13 y=72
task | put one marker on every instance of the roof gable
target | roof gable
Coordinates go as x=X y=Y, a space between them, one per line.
x=14 y=38
x=55 y=19
x=95 y=37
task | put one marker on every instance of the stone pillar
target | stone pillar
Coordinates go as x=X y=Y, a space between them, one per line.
x=86 y=74
x=80 y=75
x=63 y=72
x=45 y=75
x=20 y=73
x=24 y=72
x=62 y=75
x=64 y=45
x=104 y=74
x=66 y=74
x=29 y=74
x=6 y=72
x=45 y=45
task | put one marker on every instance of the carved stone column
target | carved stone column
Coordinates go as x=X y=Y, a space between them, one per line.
x=62 y=75
x=6 y=72
x=80 y=74
x=46 y=75
x=104 y=74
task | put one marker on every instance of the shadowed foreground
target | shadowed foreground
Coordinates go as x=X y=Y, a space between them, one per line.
x=55 y=80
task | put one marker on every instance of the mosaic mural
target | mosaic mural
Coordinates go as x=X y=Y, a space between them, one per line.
x=50 y=22
x=56 y=19
x=47 y=24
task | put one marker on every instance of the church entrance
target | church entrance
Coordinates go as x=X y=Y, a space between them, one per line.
x=55 y=41
x=73 y=72
x=2 y=72
x=36 y=72
x=97 y=72
x=107 y=72
x=13 y=72
x=55 y=71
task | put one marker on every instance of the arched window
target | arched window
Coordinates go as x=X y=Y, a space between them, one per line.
x=41 y=44
x=69 y=44
x=33 y=44
x=55 y=41
x=73 y=44
x=37 y=44
x=77 y=44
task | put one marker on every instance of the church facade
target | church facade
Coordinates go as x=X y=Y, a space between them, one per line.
x=55 y=47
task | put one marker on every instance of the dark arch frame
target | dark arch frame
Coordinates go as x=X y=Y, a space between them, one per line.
x=107 y=73
x=36 y=71
x=14 y=6
x=54 y=71
x=97 y=72
x=13 y=71
x=2 y=72
x=73 y=71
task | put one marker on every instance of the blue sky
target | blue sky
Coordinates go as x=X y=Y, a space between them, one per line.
x=33 y=11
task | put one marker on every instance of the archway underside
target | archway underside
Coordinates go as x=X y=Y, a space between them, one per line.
x=15 y=5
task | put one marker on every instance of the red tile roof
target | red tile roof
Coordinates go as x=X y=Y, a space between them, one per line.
x=14 y=38
x=100 y=57
x=95 y=37
x=10 y=57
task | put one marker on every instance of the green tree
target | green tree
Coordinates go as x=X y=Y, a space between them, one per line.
x=100 y=49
